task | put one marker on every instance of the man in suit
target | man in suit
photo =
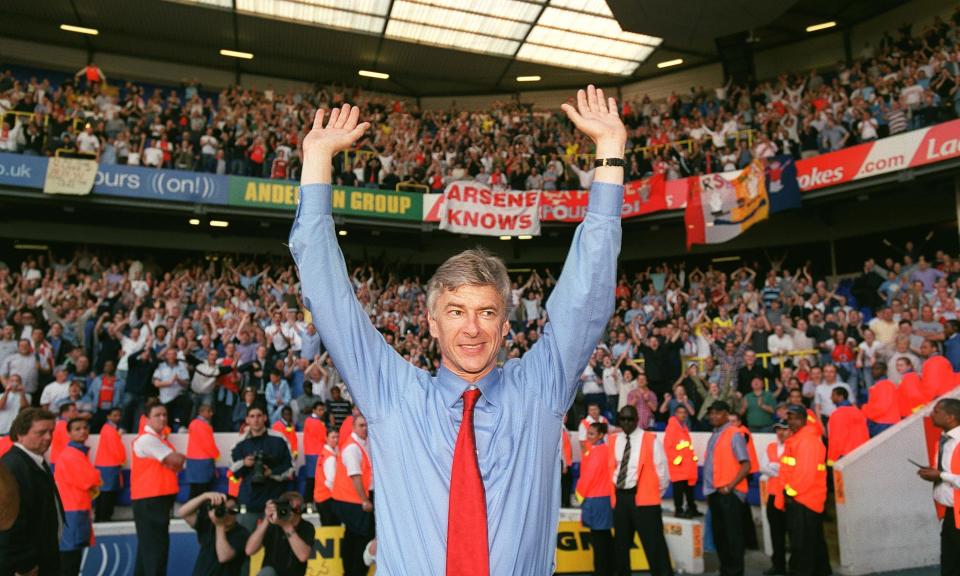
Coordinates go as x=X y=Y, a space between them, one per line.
x=31 y=545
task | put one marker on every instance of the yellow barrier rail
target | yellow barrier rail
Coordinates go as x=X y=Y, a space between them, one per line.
x=407 y=184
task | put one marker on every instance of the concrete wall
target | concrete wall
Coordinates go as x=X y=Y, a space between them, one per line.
x=888 y=521
x=819 y=51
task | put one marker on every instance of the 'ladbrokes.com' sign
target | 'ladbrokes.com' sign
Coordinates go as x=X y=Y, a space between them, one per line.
x=285 y=195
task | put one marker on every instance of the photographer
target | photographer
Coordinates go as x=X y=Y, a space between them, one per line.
x=222 y=540
x=262 y=460
x=286 y=539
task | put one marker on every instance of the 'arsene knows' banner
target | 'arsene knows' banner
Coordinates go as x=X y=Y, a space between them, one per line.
x=70 y=176
x=473 y=208
x=285 y=195
x=722 y=206
x=163 y=185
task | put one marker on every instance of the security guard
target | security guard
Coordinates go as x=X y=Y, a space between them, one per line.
x=594 y=492
x=776 y=517
x=78 y=482
x=326 y=473
x=109 y=460
x=803 y=471
x=314 y=439
x=945 y=475
x=682 y=462
x=352 y=499
x=202 y=452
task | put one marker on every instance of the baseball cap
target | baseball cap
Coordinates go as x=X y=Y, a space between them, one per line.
x=781 y=423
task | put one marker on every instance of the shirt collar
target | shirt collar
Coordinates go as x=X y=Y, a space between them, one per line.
x=452 y=386
x=955 y=433
x=81 y=447
x=35 y=457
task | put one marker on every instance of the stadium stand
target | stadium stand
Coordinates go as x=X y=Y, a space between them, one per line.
x=905 y=82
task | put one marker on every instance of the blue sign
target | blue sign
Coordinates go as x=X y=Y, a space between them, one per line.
x=163 y=185
x=24 y=171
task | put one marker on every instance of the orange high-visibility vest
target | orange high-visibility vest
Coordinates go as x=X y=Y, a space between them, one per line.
x=200 y=441
x=343 y=488
x=681 y=459
x=320 y=491
x=76 y=478
x=803 y=468
x=725 y=463
x=60 y=439
x=775 y=483
x=290 y=433
x=846 y=429
x=751 y=449
x=910 y=394
x=346 y=431
x=314 y=436
x=648 y=483
x=110 y=449
x=149 y=478
x=883 y=406
x=594 y=481
x=5 y=445
x=233 y=484
x=954 y=468
x=567 y=447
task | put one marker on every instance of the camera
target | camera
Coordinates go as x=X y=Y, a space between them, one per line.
x=221 y=510
x=285 y=508
x=258 y=477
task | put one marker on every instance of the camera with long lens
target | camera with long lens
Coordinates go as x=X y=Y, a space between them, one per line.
x=258 y=477
x=285 y=508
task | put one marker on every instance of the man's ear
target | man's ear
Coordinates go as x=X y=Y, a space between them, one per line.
x=434 y=325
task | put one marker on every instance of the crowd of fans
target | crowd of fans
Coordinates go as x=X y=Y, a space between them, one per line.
x=229 y=334
x=905 y=82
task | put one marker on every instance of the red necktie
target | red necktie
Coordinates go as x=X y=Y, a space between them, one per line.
x=467 y=551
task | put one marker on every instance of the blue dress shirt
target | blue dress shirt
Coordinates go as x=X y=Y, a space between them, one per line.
x=414 y=417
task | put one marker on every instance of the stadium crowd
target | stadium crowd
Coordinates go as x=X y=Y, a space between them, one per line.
x=208 y=333
x=905 y=82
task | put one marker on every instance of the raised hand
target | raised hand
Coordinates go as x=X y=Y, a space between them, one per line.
x=323 y=142
x=598 y=117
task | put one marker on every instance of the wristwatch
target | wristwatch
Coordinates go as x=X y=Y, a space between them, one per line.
x=618 y=162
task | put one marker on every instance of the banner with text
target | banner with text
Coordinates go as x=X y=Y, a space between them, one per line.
x=22 y=170
x=724 y=205
x=163 y=185
x=73 y=176
x=473 y=208
x=285 y=195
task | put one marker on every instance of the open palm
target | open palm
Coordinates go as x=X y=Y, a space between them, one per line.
x=596 y=116
x=340 y=133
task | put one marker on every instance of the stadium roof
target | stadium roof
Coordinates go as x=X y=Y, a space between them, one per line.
x=428 y=47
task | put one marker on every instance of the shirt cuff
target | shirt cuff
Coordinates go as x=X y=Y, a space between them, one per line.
x=952 y=479
x=316 y=199
x=605 y=199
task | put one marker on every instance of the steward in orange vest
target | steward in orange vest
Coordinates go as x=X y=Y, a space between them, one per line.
x=882 y=408
x=67 y=412
x=773 y=487
x=202 y=452
x=326 y=473
x=314 y=439
x=110 y=458
x=78 y=483
x=803 y=471
x=846 y=428
x=5 y=445
x=284 y=425
x=352 y=496
x=153 y=487
x=682 y=462
x=945 y=475
x=727 y=464
x=594 y=490
x=638 y=469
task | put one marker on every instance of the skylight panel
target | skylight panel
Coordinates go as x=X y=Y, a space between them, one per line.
x=580 y=60
x=450 y=38
x=429 y=15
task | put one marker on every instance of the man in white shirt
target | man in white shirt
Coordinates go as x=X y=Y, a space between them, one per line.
x=637 y=506
x=946 y=481
x=88 y=142
x=24 y=364
x=593 y=415
x=822 y=400
x=172 y=378
x=59 y=388
x=779 y=343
